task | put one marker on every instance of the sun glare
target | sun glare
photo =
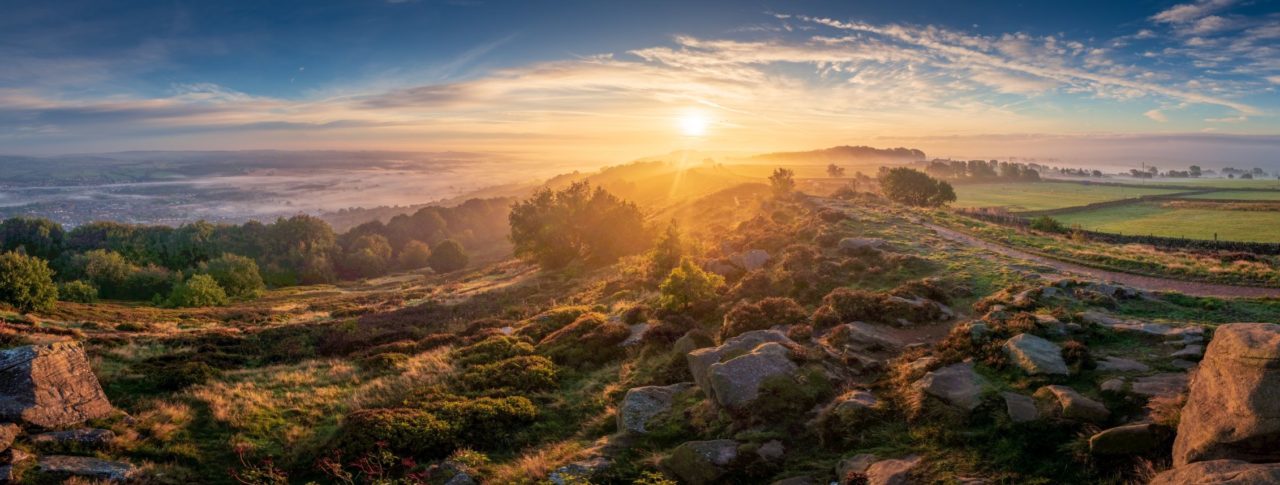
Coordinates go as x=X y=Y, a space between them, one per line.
x=693 y=124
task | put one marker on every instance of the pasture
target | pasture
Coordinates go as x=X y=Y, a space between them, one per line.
x=1193 y=223
x=1021 y=197
x=1237 y=195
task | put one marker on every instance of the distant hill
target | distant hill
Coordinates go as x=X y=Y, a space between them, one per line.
x=843 y=154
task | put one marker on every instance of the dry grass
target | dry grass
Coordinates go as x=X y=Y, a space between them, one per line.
x=537 y=462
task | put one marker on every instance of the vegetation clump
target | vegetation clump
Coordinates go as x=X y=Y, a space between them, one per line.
x=690 y=289
x=591 y=339
x=198 y=290
x=912 y=187
x=747 y=316
x=557 y=227
x=448 y=257
x=525 y=373
x=26 y=282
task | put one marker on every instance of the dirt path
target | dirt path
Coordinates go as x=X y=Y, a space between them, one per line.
x=1138 y=281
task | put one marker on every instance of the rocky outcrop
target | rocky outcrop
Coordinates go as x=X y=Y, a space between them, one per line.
x=1021 y=409
x=1226 y=472
x=1233 y=410
x=1071 y=405
x=50 y=386
x=642 y=404
x=701 y=462
x=701 y=360
x=8 y=433
x=1036 y=356
x=736 y=383
x=76 y=438
x=957 y=385
x=83 y=466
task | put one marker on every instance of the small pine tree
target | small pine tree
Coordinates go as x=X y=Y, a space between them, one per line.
x=668 y=252
x=688 y=288
x=448 y=257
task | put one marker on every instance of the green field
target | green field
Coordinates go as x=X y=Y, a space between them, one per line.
x=1237 y=195
x=1152 y=219
x=1219 y=183
x=1019 y=197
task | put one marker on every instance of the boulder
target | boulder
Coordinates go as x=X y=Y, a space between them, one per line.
x=579 y=471
x=1164 y=384
x=76 y=438
x=892 y=472
x=1193 y=352
x=8 y=433
x=50 y=386
x=83 y=466
x=1233 y=410
x=957 y=385
x=1035 y=355
x=1120 y=364
x=1224 y=472
x=863 y=337
x=854 y=466
x=1072 y=405
x=701 y=360
x=771 y=450
x=1021 y=409
x=701 y=462
x=1114 y=384
x=641 y=404
x=637 y=334
x=735 y=384
x=1125 y=440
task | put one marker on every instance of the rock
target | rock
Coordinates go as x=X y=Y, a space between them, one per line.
x=1182 y=364
x=83 y=466
x=863 y=337
x=637 y=334
x=1227 y=472
x=578 y=471
x=891 y=472
x=701 y=360
x=8 y=432
x=1021 y=409
x=1191 y=352
x=1114 y=384
x=723 y=268
x=771 y=450
x=701 y=462
x=735 y=383
x=1072 y=405
x=957 y=385
x=1233 y=410
x=50 y=386
x=1120 y=364
x=859 y=243
x=14 y=456
x=463 y=478
x=1036 y=356
x=1125 y=440
x=1165 y=384
x=979 y=332
x=641 y=404
x=800 y=480
x=856 y=464
x=752 y=259
x=76 y=438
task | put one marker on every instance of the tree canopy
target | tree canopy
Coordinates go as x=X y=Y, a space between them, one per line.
x=557 y=227
x=26 y=282
x=913 y=187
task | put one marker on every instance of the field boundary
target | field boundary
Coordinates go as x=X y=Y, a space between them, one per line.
x=1111 y=203
x=1022 y=221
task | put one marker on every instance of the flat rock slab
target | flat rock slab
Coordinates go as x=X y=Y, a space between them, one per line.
x=50 y=386
x=735 y=383
x=957 y=385
x=1232 y=472
x=83 y=466
x=1121 y=364
x=87 y=437
x=1073 y=405
x=644 y=403
x=1021 y=408
x=1125 y=440
x=1036 y=355
x=1164 y=384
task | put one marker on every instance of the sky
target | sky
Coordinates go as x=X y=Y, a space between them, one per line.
x=604 y=82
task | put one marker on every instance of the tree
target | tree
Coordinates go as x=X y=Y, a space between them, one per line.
x=414 y=255
x=913 y=187
x=369 y=255
x=237 y=275
x=198 y=290
x=835 y=171
x=783 y=181
x=448 y=257
x=35 y=236
x=108 y=270
x=1195 y=170
x=78 y=291
x=555 y=228
x=688 y=288
x=26 y=282
x=668 y=252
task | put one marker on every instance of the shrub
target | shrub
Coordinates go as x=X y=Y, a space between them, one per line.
x=384 y=361
x=448 y=257
x=148 y=283
x=26 y=282
x=108 y=270
x=78 y=291
x=591 y=339
x=555 y=228
x=528 y=373
x=485 y=422
x=237 y=275
x=851 y=305
x=182 y=375
x=913 y=187
x=405 y=431
x=783 y=182
x=198 y=290
x=492 y=349
x=689 y=289
x=668 y=252
x=542 y=324
x=415 y=254
x=745 y=317
x=1048 y=224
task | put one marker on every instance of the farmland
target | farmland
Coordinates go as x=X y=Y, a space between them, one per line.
x=1018 y=197
x=1160 y=220
x=1237 y=195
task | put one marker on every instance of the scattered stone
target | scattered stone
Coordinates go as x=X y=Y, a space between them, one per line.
x=701 y=360
x=957 y=385
x=1183 y=364
x=863 y=337
x=642 y=404
x=771 y=450
x=856 y=464
x=1115 y=384
x=1189 y=352
x=637 y=334
x=1233 y=472
x=83 y=466
x=1035 y=355
x=579 y=471
x=462 y=478
x=1021 y=409
x=1125 y=440
x=891 y=472
x=77 y=438
x=735 y=383
x=1120 y=364
x=701 y=462
x=979 y=332
x=1165 y=384
x=50 y=386
x=1233 y=410
x=1072 y=405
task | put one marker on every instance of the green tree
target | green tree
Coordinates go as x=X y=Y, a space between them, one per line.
x=38 y=237
x=912 y=187
x=555 y=228
x=668 y=252
x=78 y=291
x=237 y=275
x=197 y=291
x=414 y=255
x=448 y=257
x=108 y=270
x=368 y=256
x=689 y=289
x=783 y=181
x=26 y=282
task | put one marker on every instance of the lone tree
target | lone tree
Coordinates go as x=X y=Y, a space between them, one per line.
x=835 y=171
x=26 y=282
x=668 y=252
x=448 y=257
x=557 y=227
x=913 y=187
x=783 y=181
x=689 y=289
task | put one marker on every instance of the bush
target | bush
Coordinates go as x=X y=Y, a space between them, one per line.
x=415 y=254
x=108 y=270
x=197 y=291
x=484 y=422
x=1048 y=224
x=783 y=182
x=527 y=373
x=78 y=291
x=555 y=228
x=149 y=283
x=591 y=339
x=237 y=275
x=689 y=289
x=405 y=431
x=745 y=317
x=539 y=326
x=448 y=257
x=851 y=305
x=384 y=361
x=667 y=253
x=26 y=282
x=490 y=350
x=913 y=187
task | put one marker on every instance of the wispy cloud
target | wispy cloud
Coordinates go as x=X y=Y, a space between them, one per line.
x=1156 y=115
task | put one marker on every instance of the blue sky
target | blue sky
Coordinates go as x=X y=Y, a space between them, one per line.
x=606 y=81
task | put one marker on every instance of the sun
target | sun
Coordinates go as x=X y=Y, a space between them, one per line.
x=693 y=124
